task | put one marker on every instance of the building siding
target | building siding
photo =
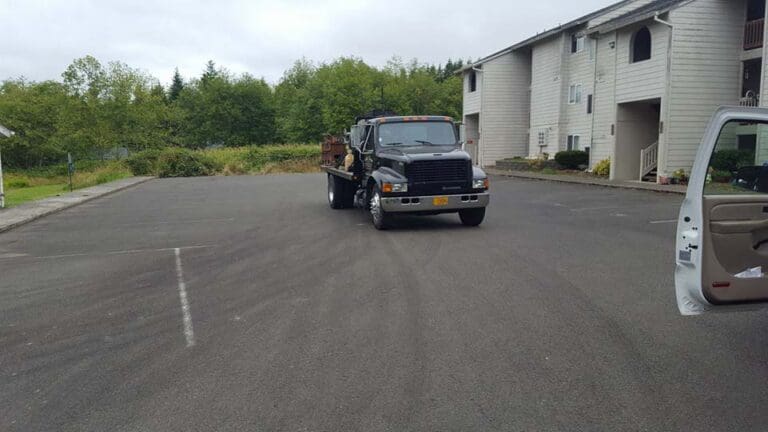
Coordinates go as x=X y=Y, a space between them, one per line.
x=605 y=100
x=579 y=68
x=546 y=91
x=705 y=73
x=646 y=79
x=506 y=102
x=472 y=100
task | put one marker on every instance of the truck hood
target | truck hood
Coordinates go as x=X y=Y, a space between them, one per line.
x=410 y=154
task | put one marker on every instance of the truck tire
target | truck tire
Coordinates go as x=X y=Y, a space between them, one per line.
x=348 y=195
x=381 y=219
x=335 y=192
x=472 y=217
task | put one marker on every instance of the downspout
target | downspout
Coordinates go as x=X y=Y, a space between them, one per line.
x=480 y=149
x=594 y=104
x=666 y=102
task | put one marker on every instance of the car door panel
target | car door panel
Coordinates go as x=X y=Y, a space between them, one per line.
x=738 y=228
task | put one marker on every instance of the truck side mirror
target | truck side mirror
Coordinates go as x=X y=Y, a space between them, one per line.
x=354 y=137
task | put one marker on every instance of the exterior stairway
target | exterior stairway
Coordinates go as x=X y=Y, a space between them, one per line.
x=649 y=159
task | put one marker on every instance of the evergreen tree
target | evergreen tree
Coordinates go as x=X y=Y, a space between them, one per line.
x=177 y=85
x=210 y=73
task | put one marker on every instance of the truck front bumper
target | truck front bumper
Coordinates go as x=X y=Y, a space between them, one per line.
x=435 y=203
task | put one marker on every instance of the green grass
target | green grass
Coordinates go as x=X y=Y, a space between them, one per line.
x=29 y=185
x=17 y=196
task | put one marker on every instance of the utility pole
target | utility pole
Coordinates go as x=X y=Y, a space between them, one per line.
x=4 y=132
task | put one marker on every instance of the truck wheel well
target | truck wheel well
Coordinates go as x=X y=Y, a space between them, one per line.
x=369 y=186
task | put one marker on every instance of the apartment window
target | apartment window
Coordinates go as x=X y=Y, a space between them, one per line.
x=573 y=142
x=640 y=46
x=589 y=104
x=472 y=81
x=574 y=94
x=577 y=44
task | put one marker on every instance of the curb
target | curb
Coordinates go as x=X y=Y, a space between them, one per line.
x=500 y=172
x=34 y=217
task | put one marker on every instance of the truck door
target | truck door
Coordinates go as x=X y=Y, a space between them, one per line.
x=722 y=232
x=368 y=151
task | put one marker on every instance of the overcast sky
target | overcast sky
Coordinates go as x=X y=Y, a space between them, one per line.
x=38 y=39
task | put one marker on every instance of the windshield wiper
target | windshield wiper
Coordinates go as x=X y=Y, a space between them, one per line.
x=429 y=143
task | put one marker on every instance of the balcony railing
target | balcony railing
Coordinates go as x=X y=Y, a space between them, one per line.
x=750 y=99
x=649 y=158
x=753 y=34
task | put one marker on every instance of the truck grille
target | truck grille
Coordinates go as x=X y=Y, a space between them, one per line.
x=433 y=175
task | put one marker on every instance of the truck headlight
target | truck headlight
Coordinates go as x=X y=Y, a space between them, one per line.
x=394 y=187
x=480 y=183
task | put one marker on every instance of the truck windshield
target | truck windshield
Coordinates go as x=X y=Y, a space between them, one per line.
x=417 y=134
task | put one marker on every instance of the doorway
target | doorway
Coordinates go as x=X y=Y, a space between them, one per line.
x=637 y=140
x=472 y=136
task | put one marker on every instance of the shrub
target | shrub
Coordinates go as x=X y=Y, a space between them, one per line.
x=731 y=160
x=259 y=156
x=572 y=159
x=110 y=172
x=177 y=162
x=721 y=176
x=602 y=168
x=143 y=162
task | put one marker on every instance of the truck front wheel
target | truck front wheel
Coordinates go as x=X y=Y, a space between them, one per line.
x=472 y=217
x=381 y=219
x=335 y=192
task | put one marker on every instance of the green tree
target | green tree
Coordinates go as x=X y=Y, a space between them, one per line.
x=223 y=110
x=297 y=105
x=347 y=88
x=177 y=85
x=33 y=111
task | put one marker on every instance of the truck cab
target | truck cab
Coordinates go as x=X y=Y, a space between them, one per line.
x=409 y=164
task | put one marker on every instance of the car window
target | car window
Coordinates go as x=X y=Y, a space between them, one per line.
x=739 y=162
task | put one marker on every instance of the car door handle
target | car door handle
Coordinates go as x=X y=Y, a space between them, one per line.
x=738 y=227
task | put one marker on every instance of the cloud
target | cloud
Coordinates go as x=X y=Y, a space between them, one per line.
x=263 y=38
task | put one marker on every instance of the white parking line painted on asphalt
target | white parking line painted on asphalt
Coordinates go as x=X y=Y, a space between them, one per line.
x=189 y=332
x=663 y=221
x=117 y=252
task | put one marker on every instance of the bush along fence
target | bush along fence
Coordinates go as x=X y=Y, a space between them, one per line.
x=181 y=162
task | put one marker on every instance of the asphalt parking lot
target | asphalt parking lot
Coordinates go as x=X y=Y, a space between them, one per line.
x=245 y=303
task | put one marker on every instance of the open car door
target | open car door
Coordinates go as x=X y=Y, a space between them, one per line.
x=722 y=231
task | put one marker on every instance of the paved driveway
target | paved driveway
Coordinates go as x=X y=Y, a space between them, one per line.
x=245 y=303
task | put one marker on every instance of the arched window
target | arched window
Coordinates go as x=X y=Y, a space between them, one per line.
x=640 y=46
x=472 y=81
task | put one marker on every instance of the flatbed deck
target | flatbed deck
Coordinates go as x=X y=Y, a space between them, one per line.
x=339 y=173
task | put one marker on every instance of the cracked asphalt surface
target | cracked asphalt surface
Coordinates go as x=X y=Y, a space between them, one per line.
x=558 y=313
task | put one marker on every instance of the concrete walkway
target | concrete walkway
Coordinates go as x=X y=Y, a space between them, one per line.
x=594 y=181
x=27 y=212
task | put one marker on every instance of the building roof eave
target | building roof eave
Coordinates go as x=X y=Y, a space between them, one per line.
x=543 y=35
x=655 y=8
